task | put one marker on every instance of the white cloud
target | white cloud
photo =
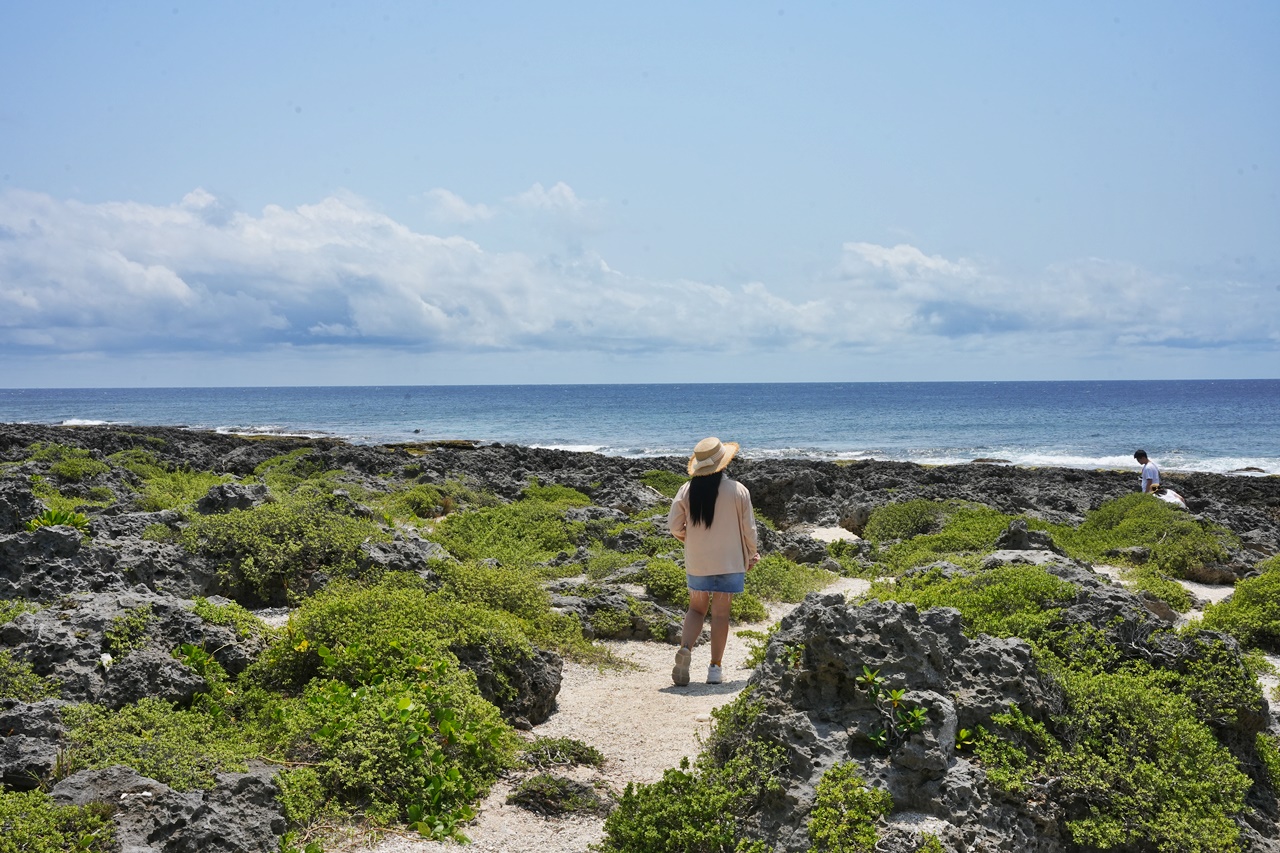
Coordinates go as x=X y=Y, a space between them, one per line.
x=560 y=199
x=201 y=276
x=447 y=206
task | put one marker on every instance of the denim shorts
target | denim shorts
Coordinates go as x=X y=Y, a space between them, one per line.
x=731 y=583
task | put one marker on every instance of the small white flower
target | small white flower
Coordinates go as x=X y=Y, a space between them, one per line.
x=106 y=660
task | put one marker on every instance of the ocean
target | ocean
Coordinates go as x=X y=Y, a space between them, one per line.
x=1204 y=425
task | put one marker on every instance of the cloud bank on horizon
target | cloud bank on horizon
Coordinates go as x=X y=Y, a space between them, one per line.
x=396 y=193
x=128 y=279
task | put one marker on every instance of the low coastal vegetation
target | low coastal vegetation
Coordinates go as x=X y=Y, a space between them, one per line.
x=386 y=697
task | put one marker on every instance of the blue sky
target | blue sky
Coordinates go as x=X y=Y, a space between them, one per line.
x=419 y=193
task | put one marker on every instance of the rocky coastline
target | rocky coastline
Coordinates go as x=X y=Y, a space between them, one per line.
x=72 y=591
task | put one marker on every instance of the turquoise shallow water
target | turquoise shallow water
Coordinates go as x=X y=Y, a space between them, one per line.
x=1218 y=426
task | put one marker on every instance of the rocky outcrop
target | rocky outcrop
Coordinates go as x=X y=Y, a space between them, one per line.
x=115 y=648
x=814 y=704
x=241 y=814
x=523 y=688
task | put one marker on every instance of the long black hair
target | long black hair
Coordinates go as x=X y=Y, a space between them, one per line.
x=702 y=497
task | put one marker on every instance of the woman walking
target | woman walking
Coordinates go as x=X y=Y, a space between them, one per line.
x=712 y=516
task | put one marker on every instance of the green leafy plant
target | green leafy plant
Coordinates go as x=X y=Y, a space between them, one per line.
x=553 y=796
x=899 y=720
x=746 y=607
x=12 y=608
x=561 y=752
x=844 y=815
x=272 y=549
x=1268 y=749
x=666 y=581
x=55 y=517
x=757 y=645
x=181 y=748
x=1132 y=763
x=775 y=578
x=517 y=535
x=666 y=483
x=902 y=520
x=425 y=739
x=19 y=681
x=32 y=823
x=1178 y=543
x=128 y=631
x=230 y=614
x=1006 y=601
x=700 y=809
x=69 y=464
x=1252 y=613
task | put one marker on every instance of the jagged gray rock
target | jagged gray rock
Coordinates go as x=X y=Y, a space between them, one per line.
x=241 y=814
x=225 y=497
x=814 y=706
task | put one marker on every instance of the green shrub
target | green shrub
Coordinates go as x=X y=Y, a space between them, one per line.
x=553 y=796
x=276 y=547
x=1251 y=614
x=181 y=748
x=58 y=502
x=775 y=578
x=178 y=488
x=844 y=815
x=159 y=533
x=902 y=520
x=519 y=534
x=746 y=607
x=1268 y=748
x=231 y=615
x=417 y=502
x=757 y=645
x=666 y=483
x=302 y=796
x=142 y=463
x=516 y=591
x=56 y=517
x=1179 y=544
x=31 y=823
x=1133 y=764
x=284 y=473
x=1151 y=580
x=666 y=581
x=70 y=464
x=555 y=494
x=128 y=631
x=1006 y=601
x=603 y=562
x=1219 y=683
x=962 y=529
x=420 y=748
x=19 y=681
x=561 y=752
x=12 y=608
x=700 y=810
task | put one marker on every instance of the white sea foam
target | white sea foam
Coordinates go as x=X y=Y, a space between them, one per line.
x=574 y=448
x=84 y=422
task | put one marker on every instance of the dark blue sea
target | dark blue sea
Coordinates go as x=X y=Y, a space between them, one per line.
x=1219 y=426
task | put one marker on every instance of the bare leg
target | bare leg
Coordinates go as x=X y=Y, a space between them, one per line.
x=693 y=619
x=719 y=625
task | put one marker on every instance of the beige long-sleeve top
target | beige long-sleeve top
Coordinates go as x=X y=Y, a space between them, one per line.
x=725 y=547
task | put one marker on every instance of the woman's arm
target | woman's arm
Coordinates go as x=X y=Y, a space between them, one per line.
x=747 y=524
x=678 y=516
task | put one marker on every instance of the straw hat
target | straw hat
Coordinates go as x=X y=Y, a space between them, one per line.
x=711 y=455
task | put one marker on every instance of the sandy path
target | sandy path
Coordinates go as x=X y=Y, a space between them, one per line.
x=635 y=717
